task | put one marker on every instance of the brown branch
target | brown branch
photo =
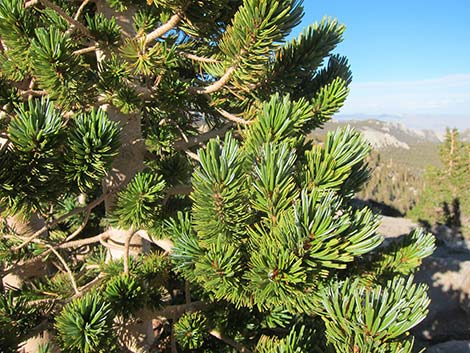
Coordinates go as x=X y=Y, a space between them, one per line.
x=233 y=117
x=164 y=28
x=80 y=9
x=199 y=58
x=192 y=141
x=69 y=19
x=30 y=3
x=165 y=244
x=127 y=245
x=238 y=346
x=81 y=227
x=174 y=312
x=82 y=242
x=67 y=268
x=61 y=219
x=192 y=155
x=32 y=92
x=177 y=190
x=85 y=50
x=217 y=84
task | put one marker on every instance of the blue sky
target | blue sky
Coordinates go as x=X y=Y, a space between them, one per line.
x=409 y=58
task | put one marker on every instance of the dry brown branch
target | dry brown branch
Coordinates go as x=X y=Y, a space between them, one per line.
x=81 y=227
x=199 y=58
x=165 y=244
x=238 y=346
x=80 y=9
x=85 y=50
x=217 y=85
x=85 y=31
x=164 y=28
x=232 y=117
x=127 y=245
x=63 y=218
x=32 y=92
x=182 y=145
x=177 y=190
x=67 y=269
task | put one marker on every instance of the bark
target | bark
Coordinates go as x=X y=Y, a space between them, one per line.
x=25 y=273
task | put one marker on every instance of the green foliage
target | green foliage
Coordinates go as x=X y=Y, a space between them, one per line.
x=339 y=163
x=125 y=295
x=106 y=30
x=190 y=330
x=35 y=134
x=262 y=253
x=85 y=325
x=139 y=202
x=92 y=143
x=57 y=69
x=375 y=320
x=17 y=318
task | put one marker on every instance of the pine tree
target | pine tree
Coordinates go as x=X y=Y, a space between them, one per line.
x=158 y=193
x=441 y=201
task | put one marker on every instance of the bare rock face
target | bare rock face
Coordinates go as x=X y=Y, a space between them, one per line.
x=450 y=347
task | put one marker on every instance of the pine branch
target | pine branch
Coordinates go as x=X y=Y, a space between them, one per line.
x=182 y=145
x=199 y=58
x=67 y=268
x=85 y=50
x=80 y=9
x=231 y=342
x=55 y=222
x=174 y=312
x=85 y=31
x=81 y=227
x=160 y=31
x=127 y=245
x=177 y=190
x=32 y=92
x=217 y=85
x=233 y=117
x=165 y=244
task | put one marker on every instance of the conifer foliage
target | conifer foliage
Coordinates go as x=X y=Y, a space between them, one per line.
x=156 y=176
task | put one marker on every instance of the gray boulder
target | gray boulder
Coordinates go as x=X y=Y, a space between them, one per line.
x=450 y=347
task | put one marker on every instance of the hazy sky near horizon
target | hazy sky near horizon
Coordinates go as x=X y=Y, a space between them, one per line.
x=408 y=57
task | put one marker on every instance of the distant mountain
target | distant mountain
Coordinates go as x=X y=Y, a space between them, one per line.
x=416 y=149
x=384 y=134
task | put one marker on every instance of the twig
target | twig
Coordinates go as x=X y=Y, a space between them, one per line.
x=89 y=285
x=61 y=219
x=182 y=145
x=217 y=84
x=192 y=155
x=199 y=58
x=32 y=92
x=30 y=3
x=81 y=227
x=165 y=244
x=127 y=245
x=164 y=28
x=85 y=50
x=80 y=9
x=82 y=242
x=67 y=268
x=69 y=19
x=238 y=346
x=232 y=117
x=177 y=190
